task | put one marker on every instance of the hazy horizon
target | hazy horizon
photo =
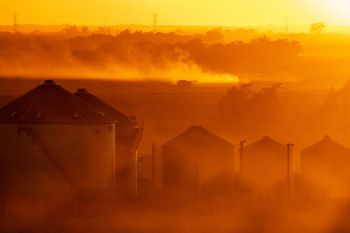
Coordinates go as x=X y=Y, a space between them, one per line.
x=283 y=27
x=136 y=12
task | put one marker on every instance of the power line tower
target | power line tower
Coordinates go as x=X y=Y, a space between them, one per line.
x=155 y=22
x=15 y=25
x=286 y=25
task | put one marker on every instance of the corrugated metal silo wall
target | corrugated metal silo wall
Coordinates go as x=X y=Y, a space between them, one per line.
x=325 y=172
x=126 y=160
x=86 y=152
x=265 y=168
x=179 y=169
x=188 y=168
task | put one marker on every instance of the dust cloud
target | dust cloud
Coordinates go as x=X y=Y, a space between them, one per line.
x=285 y=88
x=142 y=55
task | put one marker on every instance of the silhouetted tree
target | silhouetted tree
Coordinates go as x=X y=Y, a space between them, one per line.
x=244 y=106
x=317 y=28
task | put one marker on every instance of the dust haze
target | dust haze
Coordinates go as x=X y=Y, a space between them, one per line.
x=141 y=55
x=236 y=130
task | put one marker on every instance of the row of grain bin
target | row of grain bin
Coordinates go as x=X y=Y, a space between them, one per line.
x=200 y=161
x=52 y=141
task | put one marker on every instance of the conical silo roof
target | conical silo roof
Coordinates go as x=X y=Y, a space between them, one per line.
x=50 y=103
x=266 y=143
x=198 y=136
x=326 y=146
x=264 y=165
x=102 y=106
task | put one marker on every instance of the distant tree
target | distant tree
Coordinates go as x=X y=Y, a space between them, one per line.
x=333 y=115
x=235 y=99
x=259 y=55
x=72 y=30
x=337 y=100
x=214 y=35
x=316 y=28
x=85 y=30
x=142 y=50
x=244 y=106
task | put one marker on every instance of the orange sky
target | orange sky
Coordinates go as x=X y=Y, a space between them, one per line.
x=176 y=12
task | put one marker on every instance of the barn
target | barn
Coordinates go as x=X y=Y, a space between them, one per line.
x=265 y=165
x=127 y=138
x=325 y=167
x=198 y=161
x=53 y=142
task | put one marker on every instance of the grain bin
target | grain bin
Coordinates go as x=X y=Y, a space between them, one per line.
x=52 y=141
x=128 y=135
x=198 y=160
x=325 y=168
x=264 y=165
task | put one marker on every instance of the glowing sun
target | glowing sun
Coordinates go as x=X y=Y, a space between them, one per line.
x=338 y=9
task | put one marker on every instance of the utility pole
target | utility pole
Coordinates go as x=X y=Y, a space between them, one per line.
x=154 y=147
x=241 y=146
x=289 y=166
x=15 y=25
x=155 y=22
x=196 y=171
x=137 y=173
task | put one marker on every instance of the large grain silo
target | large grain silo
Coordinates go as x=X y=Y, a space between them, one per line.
x=52 y=141
x=265 y=165
x=325 y=168
x=198 y=160
x=128 y=134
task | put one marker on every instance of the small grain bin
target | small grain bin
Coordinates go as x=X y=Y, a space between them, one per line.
x=52 y=141
x=128 y=134
x=198 y=160
x=264 y=165
x=325 y=167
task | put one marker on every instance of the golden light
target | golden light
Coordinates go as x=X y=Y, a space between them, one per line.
x=193 y=12
x=338 y=10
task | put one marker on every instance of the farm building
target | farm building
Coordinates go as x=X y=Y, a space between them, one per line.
x=51 y=142
x=198 y=160
x=325 y=166
x=264 y=165
x=128 y=135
